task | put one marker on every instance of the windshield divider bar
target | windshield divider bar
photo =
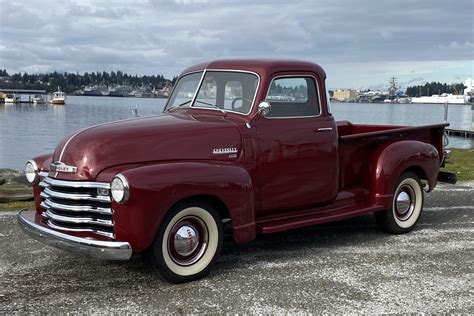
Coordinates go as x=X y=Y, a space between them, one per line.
x=198 y=88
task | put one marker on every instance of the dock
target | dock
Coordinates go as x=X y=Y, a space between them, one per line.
x=27 y=92
x=460 y=132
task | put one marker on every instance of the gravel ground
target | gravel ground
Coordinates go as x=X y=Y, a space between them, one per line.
x=342 y=267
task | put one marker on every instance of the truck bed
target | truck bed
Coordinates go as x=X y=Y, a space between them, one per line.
x=358 y=141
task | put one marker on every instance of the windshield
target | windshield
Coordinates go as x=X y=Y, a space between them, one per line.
x=223 y=90
x=184 y=91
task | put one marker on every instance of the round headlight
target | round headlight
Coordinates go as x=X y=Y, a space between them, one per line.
x=119 y=189
x=30 y=171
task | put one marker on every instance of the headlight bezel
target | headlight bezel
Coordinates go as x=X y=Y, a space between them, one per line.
x=120 y=198
x=34 y=172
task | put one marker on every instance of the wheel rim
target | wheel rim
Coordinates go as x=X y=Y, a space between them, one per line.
x=405 y=202
x=188 y=240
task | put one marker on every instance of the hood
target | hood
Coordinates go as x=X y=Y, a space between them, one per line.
x=171 y=136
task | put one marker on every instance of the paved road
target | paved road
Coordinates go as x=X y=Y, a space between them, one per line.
x=342 y=267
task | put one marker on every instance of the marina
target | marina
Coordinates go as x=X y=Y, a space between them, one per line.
x=55 y=122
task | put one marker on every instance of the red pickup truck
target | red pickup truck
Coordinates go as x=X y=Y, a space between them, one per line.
x=248 y=142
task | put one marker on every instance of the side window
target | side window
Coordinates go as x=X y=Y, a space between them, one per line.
x=293 y=97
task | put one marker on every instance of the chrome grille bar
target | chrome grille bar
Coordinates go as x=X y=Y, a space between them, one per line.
x=76 y=206
x=78 y=196
x=98 y=232
x=78 y=220
x=76 y=184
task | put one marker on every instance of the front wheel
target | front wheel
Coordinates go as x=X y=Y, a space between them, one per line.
x=188 y=242
x=407 y=204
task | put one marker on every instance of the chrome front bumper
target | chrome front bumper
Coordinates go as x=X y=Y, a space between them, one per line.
x=109 y=250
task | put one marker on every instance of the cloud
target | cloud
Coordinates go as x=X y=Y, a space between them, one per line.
x=162 y=36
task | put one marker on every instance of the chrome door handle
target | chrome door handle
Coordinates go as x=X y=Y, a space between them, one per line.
x=325 y=129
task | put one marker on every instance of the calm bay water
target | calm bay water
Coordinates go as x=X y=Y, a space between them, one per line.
x=28 y=130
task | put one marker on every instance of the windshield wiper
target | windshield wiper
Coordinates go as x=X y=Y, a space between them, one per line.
x=179 y=105
x=198 y=101
x=213 y=105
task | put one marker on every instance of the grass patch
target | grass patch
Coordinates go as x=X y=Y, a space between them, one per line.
x=14 y=187
x=16 y=206
x=12 y=190
x=461 y=163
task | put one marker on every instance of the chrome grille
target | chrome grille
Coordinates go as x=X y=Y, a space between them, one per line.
x=76 y=206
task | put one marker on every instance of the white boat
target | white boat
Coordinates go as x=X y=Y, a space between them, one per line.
x=469 y=90
x=12 y=98
x=38 y=99
x=59 y=97
x=441 y=99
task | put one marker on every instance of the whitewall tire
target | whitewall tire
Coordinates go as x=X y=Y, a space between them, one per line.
x=188 y=242
x=406 y=208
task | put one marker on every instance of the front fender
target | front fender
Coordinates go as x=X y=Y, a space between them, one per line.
x=154 y=189
x=391 y=160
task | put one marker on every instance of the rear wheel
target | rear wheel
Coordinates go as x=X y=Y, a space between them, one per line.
x=187 y=243
x=406 y=207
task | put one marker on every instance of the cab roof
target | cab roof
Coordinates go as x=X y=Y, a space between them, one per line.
x=262 y=67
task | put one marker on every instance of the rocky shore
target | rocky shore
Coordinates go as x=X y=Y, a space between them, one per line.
x=14 y=186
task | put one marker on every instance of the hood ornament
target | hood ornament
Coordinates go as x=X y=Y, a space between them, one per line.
x=62 y=167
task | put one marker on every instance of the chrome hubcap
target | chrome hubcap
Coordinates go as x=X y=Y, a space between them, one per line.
x=405 y=202
x=187 y=241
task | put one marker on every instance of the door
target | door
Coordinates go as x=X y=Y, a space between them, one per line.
x=298 y=159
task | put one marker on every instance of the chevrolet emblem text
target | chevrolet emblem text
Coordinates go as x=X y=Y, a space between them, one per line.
x=62 y=167
x=224 y=151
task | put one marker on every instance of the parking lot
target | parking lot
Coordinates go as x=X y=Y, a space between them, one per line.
x=342 y=267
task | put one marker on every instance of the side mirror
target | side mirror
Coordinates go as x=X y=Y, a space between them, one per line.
x=264 y=108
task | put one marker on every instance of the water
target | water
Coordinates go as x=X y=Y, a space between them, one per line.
x=28 y=130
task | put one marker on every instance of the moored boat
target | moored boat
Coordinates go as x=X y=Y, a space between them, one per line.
x=38 y=99
x=12 y=98
x=441 y=99
x=59 y=97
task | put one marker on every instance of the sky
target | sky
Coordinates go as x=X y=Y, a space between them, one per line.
x=360 y=44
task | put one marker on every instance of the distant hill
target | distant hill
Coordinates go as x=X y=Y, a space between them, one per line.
x=71 y=82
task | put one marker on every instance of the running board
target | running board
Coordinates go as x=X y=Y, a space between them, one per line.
x=317 y=217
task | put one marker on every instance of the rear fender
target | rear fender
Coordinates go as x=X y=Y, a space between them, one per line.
x=154 y=189
x=389 y=161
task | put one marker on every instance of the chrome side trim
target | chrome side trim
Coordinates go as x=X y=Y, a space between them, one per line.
x=77 y=197
x=325 y=129
x=77 y=208
x=78 y=220
x=76 y=184
x=109 y=250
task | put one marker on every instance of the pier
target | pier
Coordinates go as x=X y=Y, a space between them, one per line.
x=30 y=93
x=460 y=133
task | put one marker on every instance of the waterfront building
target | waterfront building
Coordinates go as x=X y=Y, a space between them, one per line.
x=344 y=94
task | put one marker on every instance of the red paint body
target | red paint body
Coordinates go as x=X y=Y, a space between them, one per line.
x=286 y=174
